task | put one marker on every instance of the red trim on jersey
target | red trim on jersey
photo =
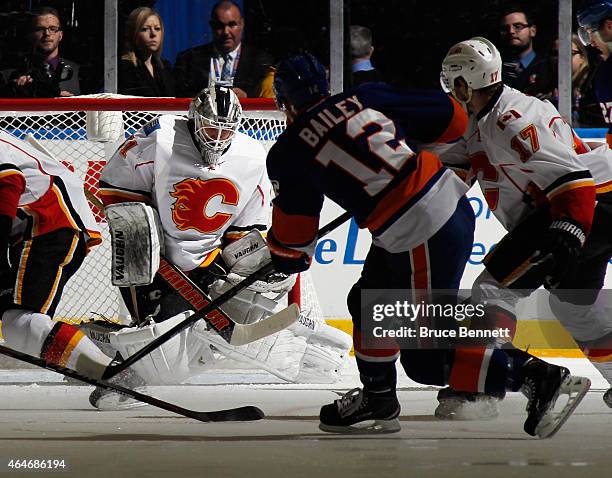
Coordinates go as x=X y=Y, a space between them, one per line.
x=421 y=287
x=50 y=213
x=428 y=164
x=465 y=373
x=263 y=196
x=609 y=139
x=12 y=186
x=604 y=187
x=386 y=349
x=280 y=250
x=579 y=146
x=115 y=196
x=577 y=202
x=457 y=124
x=293 y=229
x=420 y=267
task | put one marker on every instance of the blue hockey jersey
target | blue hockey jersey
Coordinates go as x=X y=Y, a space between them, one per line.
x=361 y=149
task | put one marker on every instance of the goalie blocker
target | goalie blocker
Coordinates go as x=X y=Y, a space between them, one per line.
x=136 y=243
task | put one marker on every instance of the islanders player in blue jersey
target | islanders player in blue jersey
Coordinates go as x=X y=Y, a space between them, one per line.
x=360 y=149
x=595 y=20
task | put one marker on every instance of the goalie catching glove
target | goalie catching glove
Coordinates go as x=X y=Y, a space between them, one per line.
x=249 y=254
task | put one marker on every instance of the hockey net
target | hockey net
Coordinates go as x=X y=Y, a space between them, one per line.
x=82 y=133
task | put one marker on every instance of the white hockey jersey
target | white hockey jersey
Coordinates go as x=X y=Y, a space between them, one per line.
x=524 y=154
x=197 y=204
x=44 y=194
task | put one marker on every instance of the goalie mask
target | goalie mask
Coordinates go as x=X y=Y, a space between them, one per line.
x=476 y=60
x=216 y=115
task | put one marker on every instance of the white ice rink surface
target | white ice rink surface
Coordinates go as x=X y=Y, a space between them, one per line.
x=43 y=418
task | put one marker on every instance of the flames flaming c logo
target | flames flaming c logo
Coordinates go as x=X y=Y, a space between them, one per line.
x=192 y=197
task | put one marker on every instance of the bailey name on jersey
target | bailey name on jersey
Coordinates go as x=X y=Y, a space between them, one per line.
x=346 y=108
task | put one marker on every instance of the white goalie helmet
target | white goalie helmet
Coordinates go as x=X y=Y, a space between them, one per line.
x=476 y=60
x=216 y=114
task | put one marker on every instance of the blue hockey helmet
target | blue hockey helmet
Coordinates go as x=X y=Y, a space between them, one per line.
x=300 y=81
x=590 y=16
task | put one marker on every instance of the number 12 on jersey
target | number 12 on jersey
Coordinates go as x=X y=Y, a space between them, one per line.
x=383 y=144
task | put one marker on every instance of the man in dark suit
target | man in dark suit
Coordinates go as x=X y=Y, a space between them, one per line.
x=44 y=73
x=361 y=52
x=227 y=59
x=523 y=68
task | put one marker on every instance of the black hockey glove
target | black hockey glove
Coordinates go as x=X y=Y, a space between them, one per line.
x=559 y=251
x=290 y=263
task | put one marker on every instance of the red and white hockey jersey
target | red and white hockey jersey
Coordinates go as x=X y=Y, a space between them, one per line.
x=523 y=155
x=40 y=194
x=197 y=205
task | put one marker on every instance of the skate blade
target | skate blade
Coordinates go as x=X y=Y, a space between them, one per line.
x=118 y=402
x=467 y=411
x=576 y=388
x=369 y=427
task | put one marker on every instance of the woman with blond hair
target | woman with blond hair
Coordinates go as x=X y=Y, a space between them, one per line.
x=585 y=109
x=142 y=71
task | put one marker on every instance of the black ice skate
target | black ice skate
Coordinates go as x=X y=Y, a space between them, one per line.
x=543 y=384
x=361 y=412
x=455 y=405
x=104 y=399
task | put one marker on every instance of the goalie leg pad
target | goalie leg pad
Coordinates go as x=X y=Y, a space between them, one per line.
x=307 y=352
x=136 y=242
x=183 y=356
x=326 y=353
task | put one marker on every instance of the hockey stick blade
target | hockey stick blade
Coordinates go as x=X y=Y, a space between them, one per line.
x=245 y=334
x=240 y=414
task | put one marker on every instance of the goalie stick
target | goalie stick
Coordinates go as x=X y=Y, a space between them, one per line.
x=238 y=334
x=240 y=414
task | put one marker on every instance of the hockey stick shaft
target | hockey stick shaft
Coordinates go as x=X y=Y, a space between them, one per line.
x=228 y=325
x=247 y=413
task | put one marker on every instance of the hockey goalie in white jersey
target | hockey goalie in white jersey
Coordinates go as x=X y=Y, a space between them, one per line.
x=203 y=186
x=552 y=193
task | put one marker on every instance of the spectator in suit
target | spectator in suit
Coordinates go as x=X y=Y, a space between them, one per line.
x=44 y=73
x=361 y=52
x=227 y=59
x=522 y=69
x=142 y=71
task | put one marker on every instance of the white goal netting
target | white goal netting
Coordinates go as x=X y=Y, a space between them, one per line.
x=61 y=126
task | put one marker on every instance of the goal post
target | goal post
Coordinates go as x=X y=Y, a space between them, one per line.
x=82 y=133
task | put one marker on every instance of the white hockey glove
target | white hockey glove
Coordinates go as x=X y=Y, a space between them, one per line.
x=247 y=255
x=137 y=242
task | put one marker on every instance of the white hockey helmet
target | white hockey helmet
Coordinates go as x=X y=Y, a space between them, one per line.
x=476 y=60
x=216 y=114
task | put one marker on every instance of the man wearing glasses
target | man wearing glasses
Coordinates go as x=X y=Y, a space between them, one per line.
x=523 y=68
x=226 y=60
x=44 y=73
